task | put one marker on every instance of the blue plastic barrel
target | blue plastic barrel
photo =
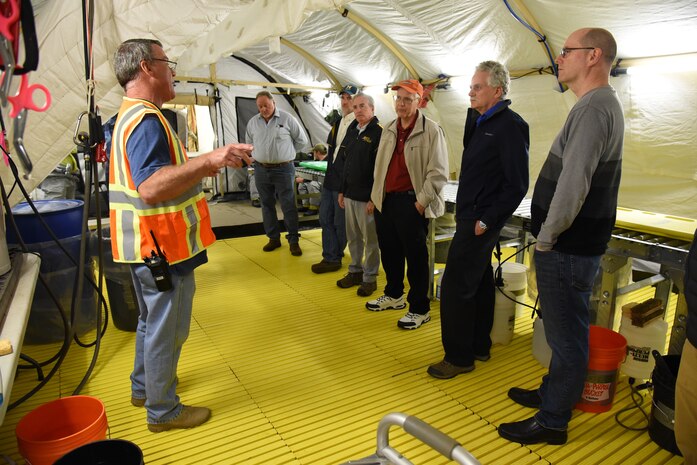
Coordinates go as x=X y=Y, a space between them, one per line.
x=63 y=216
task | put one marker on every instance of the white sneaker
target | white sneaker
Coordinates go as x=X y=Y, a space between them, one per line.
x=385 y=302
x=413 y=320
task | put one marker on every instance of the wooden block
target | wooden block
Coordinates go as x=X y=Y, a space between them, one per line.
x=5 y=347
x=647 y=306
x=646 y=318
x=627 y=309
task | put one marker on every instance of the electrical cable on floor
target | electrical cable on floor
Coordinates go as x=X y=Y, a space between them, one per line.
x=637 y=401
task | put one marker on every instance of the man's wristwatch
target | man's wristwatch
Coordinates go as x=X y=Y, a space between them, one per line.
x=483 y=225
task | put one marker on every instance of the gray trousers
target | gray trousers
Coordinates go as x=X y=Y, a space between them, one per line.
x=362 y=237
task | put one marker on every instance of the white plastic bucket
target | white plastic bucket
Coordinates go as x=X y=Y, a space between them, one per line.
x=640 y=343
x=514 y=284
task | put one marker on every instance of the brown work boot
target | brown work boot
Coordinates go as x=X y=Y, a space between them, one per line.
x=350 y=280
x=324 y=267
x=295 y=249
x=366 y=289
x=187 y=418
x=273 y=244
x=446 y=370
x=136 y=402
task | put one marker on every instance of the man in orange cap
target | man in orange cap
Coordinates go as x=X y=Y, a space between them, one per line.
x=410 y=172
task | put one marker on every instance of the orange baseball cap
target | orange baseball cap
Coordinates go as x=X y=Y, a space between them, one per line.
x=410 y=85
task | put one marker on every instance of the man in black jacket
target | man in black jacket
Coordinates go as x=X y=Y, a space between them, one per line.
x=331 y=217
x=358 y=157
x=493 y=181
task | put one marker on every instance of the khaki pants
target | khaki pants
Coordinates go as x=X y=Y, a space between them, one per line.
x=686 y=404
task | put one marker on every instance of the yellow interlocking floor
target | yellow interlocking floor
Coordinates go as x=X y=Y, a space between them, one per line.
x=297 y=371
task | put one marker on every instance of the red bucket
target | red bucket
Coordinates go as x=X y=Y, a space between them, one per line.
x=52 y=430
x=607 y=350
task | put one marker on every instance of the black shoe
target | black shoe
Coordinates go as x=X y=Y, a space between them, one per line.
x=531 y=432
x=295 y=249
x=366 y=289
x=325 y=266
x=526 y=397
x=256 y=203
x=273 y=244
x=446 y=370
x=350 y=280
x=482 y=358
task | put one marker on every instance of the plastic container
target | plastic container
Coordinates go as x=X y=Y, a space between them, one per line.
x=540 y=349
x=64 y=217
x=107 y=452
x=607 y=350
x=45 y=323
x=51 y=430
x=514 y=283
x=662 y=419
x=640 y=343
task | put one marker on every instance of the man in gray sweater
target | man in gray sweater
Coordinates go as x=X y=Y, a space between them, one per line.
x=573 y=212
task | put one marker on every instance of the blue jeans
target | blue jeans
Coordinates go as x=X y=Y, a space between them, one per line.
x=163 y=326
x=333 y=221
x=564 y=284
x=278 y=181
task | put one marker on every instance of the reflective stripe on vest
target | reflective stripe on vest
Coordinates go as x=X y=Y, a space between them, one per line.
x=181 y=225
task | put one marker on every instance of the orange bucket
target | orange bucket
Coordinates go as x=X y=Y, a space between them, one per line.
x=52 y=430
x=607 y=350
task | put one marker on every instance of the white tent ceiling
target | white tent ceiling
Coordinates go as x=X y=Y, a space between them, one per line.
x=376 y=42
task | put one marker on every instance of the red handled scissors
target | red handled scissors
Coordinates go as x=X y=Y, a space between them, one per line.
x=21 y=103
x=24 y=99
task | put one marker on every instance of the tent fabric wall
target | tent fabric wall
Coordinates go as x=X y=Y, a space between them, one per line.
x=446 y=37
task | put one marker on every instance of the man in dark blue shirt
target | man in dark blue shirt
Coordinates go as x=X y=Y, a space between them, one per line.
x=493 y=181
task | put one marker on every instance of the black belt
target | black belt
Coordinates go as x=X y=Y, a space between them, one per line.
x=402 y=193
x=274 y=165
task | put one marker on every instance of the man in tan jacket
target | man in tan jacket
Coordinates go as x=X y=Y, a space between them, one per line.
x=410 y=172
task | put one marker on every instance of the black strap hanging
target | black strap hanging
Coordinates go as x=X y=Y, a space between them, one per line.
x=28 y=33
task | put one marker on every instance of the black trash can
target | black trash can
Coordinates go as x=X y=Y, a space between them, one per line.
x=105 y=452
x=662 y=420
x=119 y=288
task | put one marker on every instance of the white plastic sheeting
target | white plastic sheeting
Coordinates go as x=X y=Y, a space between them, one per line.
x=437 y=37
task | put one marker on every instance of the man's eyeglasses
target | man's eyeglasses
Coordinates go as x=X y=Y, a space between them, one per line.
x=170 y=64
x=404 y=100
x=565 y=51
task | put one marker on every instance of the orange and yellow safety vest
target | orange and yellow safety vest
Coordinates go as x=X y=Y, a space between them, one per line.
x=181 y=225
